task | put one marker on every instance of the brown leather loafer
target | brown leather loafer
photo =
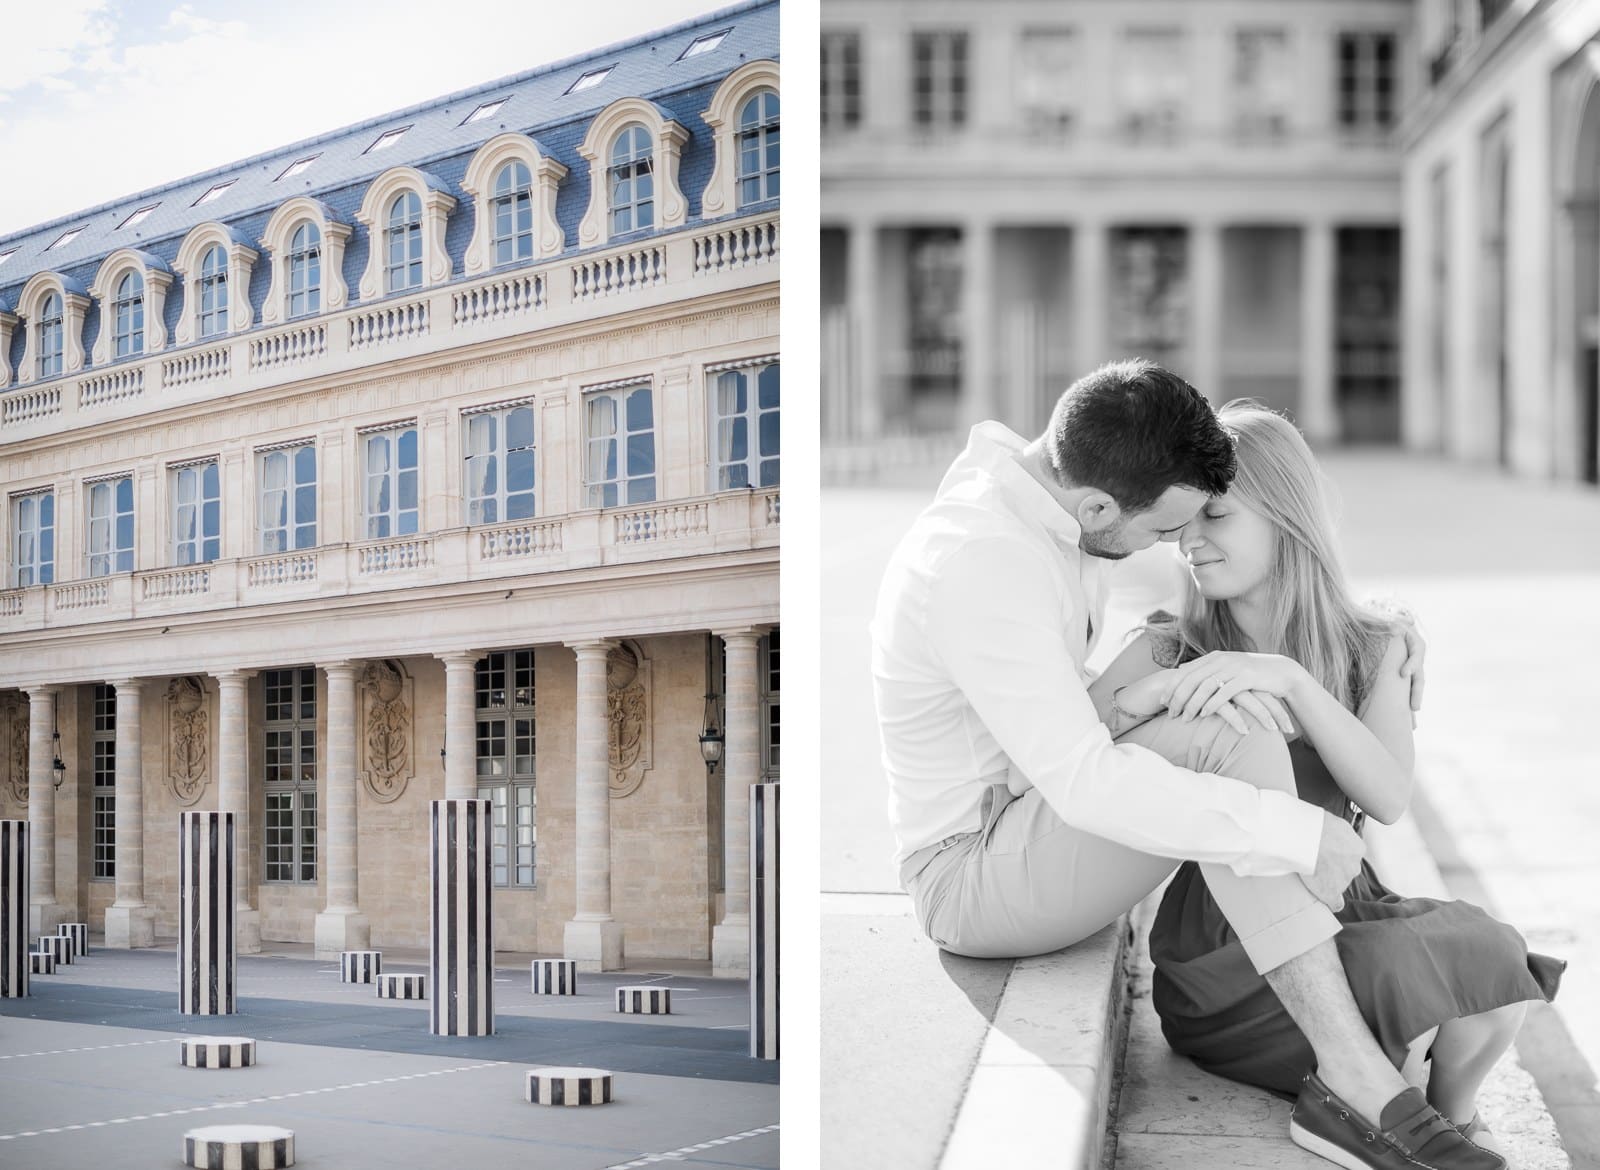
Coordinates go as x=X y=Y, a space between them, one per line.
x=1409 y=1134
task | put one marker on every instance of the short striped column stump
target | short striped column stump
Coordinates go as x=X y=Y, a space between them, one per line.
x=58 y=945
x=238 y=1147
x=644 y=1001
x=41 y=963
x=555 y=977
x=568 y=1086
x=218 y=1052
x=78 y=932
x=360 y=966
x=402 y=986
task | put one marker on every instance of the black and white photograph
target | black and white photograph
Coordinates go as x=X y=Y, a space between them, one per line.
x=1210 y=555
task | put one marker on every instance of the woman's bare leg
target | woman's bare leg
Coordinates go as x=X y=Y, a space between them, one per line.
x=1464 y=1052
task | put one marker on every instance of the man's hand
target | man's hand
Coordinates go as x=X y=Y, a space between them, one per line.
x=1338 y=861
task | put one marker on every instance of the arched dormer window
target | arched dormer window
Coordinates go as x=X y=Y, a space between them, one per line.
x=630 y=181
x=402 y=244
x=758 y=149
x=214 y=292
x=52 y=337
x=217 y=301
x=305 y=270
x=306 y=242
x=131 y=287
x=53 y=308
x=405 y=211
x=513 y=188
x=632 y=148
x=743 y=116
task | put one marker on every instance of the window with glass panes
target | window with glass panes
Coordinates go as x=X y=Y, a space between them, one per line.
x=631 y=180
x=939 y=79
x=196 y=514
x=513 y=214
x=51 y=337
x=841 y=80
x=744 y=405
x=404 y=241
x=128 y=315
x=758 y=148
x=620 y=460
x=1366 y=80
x=111 y=526
x=499 y=465
x=289 y=778
x=506 y=755
x=305 y=270
x=288 y=479
x=33 y=539
x=214 y=292
x=391 y=483
x=103 y=735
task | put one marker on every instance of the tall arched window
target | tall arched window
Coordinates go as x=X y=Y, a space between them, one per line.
x=305 y=270
x=129 y=312
x=513 y=214
x=758 y=148
x=52 y=339
x=404 y=267
x=632 y=181
x=214 y=292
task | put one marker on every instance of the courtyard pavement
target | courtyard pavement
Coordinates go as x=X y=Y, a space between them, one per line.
x=90 y=1074
x=1505 y=575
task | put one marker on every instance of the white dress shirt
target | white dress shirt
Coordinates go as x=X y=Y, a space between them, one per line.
x=982 y=627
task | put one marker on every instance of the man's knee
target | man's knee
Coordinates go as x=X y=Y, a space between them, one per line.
x=1260 y=757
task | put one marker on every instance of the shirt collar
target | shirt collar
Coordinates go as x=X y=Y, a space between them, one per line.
x=992 y=449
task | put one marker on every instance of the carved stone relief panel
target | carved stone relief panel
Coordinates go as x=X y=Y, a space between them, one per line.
x=14 y=721
x=628 y=704
x=188 y=739
x=387 y=700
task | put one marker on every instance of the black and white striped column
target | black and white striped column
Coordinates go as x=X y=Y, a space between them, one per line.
x=461 y=941
x=14 y=962
x=764 y=921
x=218 y=1051
x=41 y=963
x=78 y=932
x=360 y=966
x=555 y=977
x=206 y=899
x=58 y=946
x=568 y=1086
x=235 y=1147
x=400 y=985
x=644 y=1001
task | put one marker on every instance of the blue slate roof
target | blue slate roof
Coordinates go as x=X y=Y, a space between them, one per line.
x=438 y=142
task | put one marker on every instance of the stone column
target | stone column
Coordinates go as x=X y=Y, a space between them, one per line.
x=593 y=939
x=460 y=726
x=1205 y=316
x=44 y=913
x=1317 y=413
x=341 y=926
x=864 y=400
x=741 y=767
x=978 y=323
x=129 y=922
x=1091 y=291
x=233 y=795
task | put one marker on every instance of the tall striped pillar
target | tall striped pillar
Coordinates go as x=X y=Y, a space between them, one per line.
x=206 y=899
x=764 y=921
x=461 y=941
x=13 y=909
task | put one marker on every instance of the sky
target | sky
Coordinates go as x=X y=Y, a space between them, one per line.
x=100 y=99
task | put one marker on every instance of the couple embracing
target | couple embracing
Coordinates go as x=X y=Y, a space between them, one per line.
x=1246 y=736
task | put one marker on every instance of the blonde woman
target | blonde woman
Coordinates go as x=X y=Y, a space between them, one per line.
x=1269 y=628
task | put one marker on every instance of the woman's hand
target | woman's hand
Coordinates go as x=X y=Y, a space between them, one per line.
x=1206 y=684
x=1153 y=694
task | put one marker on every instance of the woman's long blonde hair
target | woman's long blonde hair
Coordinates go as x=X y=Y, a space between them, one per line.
x=1311 y=615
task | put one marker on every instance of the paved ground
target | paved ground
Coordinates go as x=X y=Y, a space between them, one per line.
x=1506 y=577
x=89 y=1072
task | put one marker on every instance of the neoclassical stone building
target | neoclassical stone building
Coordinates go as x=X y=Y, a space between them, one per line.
x=437 y=456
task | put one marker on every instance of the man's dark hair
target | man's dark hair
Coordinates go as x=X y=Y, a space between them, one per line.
x=1133 y=429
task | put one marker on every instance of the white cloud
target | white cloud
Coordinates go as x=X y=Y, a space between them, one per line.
x=43 y=41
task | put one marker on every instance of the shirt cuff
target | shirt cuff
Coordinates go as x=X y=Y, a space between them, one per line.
x=1287 y=839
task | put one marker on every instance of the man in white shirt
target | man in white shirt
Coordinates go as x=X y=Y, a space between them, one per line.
x=985 y=618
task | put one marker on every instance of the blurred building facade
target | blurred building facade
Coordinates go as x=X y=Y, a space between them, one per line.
x=1502 y=252
x=1016 y=191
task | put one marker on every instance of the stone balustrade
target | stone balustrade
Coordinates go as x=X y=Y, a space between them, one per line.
x=729 y=521
x=563 y=290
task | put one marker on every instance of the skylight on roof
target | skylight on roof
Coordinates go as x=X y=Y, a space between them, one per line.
x=387 y=139
x=138 y=217
x=66 y=238
x=215 y=193
x=486 y=110
x=591 y=79
x=297 y=167
x=4 y=256
x=704 y=44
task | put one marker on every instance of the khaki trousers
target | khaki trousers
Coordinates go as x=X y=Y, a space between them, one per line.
x=1028 y=883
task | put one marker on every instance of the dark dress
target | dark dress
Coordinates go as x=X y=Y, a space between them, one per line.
x=1413 y=963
